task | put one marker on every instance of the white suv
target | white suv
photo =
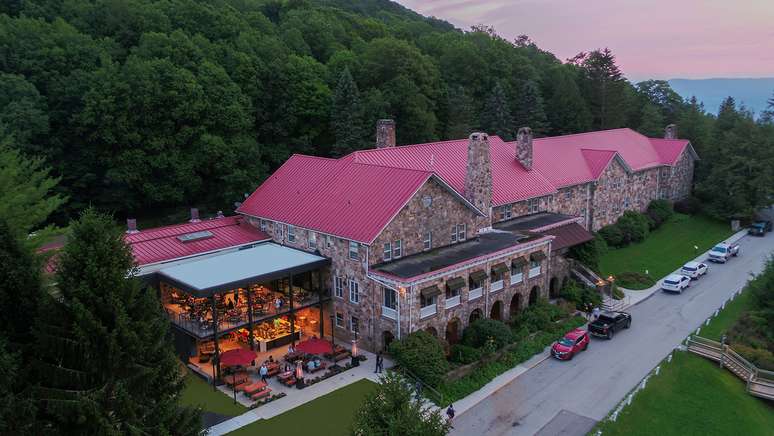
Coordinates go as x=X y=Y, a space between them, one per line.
x=676 y=283
x=694 y=270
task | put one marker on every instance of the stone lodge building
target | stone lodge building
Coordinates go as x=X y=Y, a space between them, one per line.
x=433 y=236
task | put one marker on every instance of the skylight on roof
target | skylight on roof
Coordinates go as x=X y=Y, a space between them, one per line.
x=195 y=236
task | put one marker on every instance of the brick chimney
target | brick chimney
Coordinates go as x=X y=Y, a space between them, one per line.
x=194 y=215
x=524 y=147
x=131 y=226
x=670 y=132
x=385 y=133
x=478 y=179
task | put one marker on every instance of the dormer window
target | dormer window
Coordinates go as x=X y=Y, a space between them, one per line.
x=387 y=251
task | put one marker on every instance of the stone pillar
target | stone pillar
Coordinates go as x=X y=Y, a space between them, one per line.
x=670 y=132
x=385 y=133
x=524 y=147
x=478 y=179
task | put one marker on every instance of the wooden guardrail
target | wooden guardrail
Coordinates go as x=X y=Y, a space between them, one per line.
x=760 y=383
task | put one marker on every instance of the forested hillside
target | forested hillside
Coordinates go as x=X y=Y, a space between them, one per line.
x=146 y=106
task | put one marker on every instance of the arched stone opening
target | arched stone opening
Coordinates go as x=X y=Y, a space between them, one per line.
x=497 y=310
x=534 y=294
x=515 y=306
x=453 y=331
x=474 y=315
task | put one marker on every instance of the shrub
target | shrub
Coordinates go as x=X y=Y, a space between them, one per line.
x=583 y=297
x=688 y=206
x=760 y=357
x=634 y=280
x=634 y=226
x=589 y=252
x=612 y=235
x=481 y=330
x=464 y=354
x=539 y=316
x=422 y=354
x=659 y=211
x=617 y=293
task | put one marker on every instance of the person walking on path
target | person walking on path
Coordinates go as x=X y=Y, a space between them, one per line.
x=596 y=313
x=379 y=363
x=450 y=413
x=264 y=371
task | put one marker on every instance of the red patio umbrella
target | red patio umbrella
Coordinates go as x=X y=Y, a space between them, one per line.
x=237 y=357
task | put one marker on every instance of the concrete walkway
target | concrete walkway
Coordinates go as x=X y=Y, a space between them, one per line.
x=299 y=397
x=633 y=298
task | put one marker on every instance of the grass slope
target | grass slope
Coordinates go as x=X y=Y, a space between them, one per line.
x=693 y=396
x=726 y=318
x=667 y=248
x=329 y=415
x=199 y=393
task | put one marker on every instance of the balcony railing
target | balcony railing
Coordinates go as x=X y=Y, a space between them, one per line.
x=517 y=278
x=534 y=272
x=427 y=311
x=389 y=312
x=496 y=286
x=475 y=293
x=453 y=301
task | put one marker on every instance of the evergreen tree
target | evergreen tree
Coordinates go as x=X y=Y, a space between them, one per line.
x=767 y=116
x=460 y=120
x=496 y=116
x=607 y=90
x=104 y=354
x=347 y=116
x=652 y=122
x=529 y=109
x=566 y=109
x=392 y=410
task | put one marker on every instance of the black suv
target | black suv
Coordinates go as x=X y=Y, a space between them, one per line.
x=759 y=228
x=610 y=322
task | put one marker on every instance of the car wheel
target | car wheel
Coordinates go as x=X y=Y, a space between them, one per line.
x=571 y=356
x=586 y=347
x=628 y=324
x=610 y=334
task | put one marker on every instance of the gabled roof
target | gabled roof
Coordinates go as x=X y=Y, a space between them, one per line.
x=163 y=244
x=340 y=197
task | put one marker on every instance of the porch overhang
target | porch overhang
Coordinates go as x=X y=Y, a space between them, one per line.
x=239 y=269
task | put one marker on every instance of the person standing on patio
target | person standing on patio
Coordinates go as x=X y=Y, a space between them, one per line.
x=264 y=371
x=379 y=363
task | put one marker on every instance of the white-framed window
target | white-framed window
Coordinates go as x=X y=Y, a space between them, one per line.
x=387 y=251
x=354 y=250
x=425 y=301
x=354 y=291
x=427 y=241
x=291 y=233
x=461 y=232
x=329 y=241
x=312 y=239
x=534 y=268
x=263 y=225
x=339 y=319
x=533 y=205
x=278 y=229
x=454 y=234
x=506 y=211
x=354 y=324
x=397 y=249
x=390 y=298
x=338 y=286
x=568 y=194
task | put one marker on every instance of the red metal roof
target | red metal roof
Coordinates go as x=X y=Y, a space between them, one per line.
x=162 y=244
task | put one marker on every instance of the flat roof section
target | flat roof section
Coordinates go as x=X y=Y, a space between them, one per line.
x=238 y=269
x=449 y=255
x=533 y=221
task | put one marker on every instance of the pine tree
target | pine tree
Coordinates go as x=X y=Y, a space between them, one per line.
x=347 y=116
x=461 y=117
x=607 y=90
x=767 y=116
x=496 y=116
x=566 y=109
x=392 y=410
x=104 y=354
x=529 y=109
x=652 y=122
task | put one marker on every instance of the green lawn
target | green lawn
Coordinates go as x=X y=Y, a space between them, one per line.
x=667 y=248
x=328 y=415
x=693 y=396
x=726 y=318
x=198 y=393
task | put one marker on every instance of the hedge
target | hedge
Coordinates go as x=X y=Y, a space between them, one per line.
x=482 y=330
x=422 y=354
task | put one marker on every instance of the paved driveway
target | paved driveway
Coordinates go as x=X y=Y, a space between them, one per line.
x=560 y=397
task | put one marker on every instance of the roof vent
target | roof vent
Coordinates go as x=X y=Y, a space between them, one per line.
x=194 y=215
x=195 y=236
x=131 y=226
x=220 y=214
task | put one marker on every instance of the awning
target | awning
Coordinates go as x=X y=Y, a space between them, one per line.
x=499 y=268
x=519 y=262
x=569 y=235
x=430 y=291
x=478 y=276
x=537 y=256
x=455 y=283
x=239 y=269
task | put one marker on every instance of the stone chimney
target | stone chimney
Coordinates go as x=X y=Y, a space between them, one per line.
x=385 y=133
x=131 y=226
x=670 y=132
x=524 y=147
x=478 y=179
x=194 y=215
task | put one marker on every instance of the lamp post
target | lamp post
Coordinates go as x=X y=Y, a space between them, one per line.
x=333 y=331
x=355 y=328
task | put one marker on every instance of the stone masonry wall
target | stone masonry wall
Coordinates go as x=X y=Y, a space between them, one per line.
x=676 y=182
x=616 y=191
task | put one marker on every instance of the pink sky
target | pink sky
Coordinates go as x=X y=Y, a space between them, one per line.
x=661 y=39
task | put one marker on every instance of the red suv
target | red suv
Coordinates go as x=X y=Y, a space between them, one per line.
x=573 y=342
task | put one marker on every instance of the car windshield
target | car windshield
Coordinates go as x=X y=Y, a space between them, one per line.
x=719 y=249
x=689 y=268
x=758 y=225
x=566 y=342
x=670 y=282
x=606 y=319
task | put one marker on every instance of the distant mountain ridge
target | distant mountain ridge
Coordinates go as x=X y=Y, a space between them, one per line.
x=753 y=93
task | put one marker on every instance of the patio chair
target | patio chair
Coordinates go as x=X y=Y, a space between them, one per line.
x=261 y=394
x=252 y=388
